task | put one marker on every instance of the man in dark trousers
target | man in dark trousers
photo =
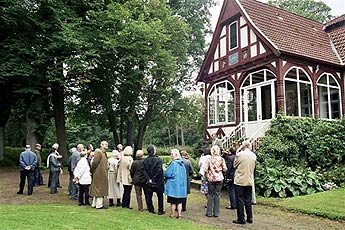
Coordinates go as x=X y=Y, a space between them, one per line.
x=153 y=172
x=244 y=180
x=27 y=164
x=38 y=174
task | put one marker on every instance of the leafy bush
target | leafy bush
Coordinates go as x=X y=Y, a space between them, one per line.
x=281 y=181
x=304 y=142
x=336 y=175
x=11 y=156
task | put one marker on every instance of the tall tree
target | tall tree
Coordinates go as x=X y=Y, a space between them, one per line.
x=315 y=10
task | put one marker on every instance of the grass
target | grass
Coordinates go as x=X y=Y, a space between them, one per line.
x=75 y=217
x=328 y=204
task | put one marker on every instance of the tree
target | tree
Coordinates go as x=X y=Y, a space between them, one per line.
x=314 y=10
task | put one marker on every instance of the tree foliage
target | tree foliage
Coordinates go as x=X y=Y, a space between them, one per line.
x=315 y=10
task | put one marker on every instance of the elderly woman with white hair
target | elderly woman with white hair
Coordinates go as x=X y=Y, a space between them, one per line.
x=176 y=185
x=214 y=168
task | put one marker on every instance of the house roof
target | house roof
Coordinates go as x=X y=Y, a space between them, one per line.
x=335 y=21
x=290 y=32
x=286 y=32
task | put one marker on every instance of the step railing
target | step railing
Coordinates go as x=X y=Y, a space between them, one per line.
x=237 y=134
x=255 y=139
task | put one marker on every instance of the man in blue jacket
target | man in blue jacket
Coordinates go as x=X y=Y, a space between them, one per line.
x=27 y=164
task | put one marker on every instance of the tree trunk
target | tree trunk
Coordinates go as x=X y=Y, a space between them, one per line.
x=31 y=122
x=2 y=142
x=5 y=111
x=130 y=129
x=176 y=131
x=182 y=138
x=169 y=136
x=112 y=123
x=59 y=115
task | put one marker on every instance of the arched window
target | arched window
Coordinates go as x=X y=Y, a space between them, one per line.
x=329 y=97
x=221 y=104
x=298 y=93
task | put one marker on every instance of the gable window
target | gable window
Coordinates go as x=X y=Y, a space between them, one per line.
x=221 y=104
x=233 y=36
x=329 y=97
x=298 y=93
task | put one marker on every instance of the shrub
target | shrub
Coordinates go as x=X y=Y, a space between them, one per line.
x=281 y=181
x=336 y=175
x=11 y=156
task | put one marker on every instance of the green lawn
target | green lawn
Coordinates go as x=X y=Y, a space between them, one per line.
x=329 y=204
x=75 y=217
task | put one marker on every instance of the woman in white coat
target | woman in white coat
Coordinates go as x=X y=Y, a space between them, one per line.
x=82 y=176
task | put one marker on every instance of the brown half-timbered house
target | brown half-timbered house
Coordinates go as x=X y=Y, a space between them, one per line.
x=262 y=60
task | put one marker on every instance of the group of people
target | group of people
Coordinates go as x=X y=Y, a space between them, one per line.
x=237 y=171
x=94 y=173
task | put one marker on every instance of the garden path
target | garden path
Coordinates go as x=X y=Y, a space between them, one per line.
x=264 y=217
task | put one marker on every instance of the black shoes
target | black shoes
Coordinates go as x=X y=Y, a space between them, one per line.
x=161 y=213
x=238 y=222
x=19 y=192
x=103 y=207
x=249 y=221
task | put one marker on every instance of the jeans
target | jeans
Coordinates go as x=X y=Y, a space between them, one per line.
x=31 y=180
x=74 y=188
x=213 y=198
x=54 y=181
x=232 y=194
x=244 y=199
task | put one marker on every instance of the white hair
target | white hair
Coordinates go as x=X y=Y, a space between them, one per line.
x=216 y=150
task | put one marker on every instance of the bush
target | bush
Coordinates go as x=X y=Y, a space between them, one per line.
x=304 y=142
x=11 y=156
x=336 y=175
x=278 y=180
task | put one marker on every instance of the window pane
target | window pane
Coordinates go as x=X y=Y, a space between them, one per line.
x=335 y=103
x=231 y=108
x=233 y=35
x=221 y=111
x=266 y=103
x=269 y=76
x=292 y=74
x=291 y=98
x=323 y=80
x=306 y=102
x=332 y=82
x=303 y=76
x=258 y=77
x=252 y=110
x=323 y=102
x=211 y=111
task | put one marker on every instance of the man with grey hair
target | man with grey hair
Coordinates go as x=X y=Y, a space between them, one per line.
x=244 y=180
x=27 y=164
x=72 y=163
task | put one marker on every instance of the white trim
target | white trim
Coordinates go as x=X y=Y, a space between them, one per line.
x=253 y=24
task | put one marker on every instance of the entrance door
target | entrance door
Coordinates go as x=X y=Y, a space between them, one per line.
x=258 y=106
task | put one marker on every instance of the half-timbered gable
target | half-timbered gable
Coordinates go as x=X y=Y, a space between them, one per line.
x=262 y=60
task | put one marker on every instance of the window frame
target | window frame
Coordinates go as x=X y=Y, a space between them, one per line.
x=214 y=96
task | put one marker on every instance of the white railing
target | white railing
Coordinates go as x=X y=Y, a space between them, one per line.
x=237 y=134
x=256 y=137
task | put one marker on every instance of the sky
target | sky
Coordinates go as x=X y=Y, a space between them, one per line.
x=337 y=6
